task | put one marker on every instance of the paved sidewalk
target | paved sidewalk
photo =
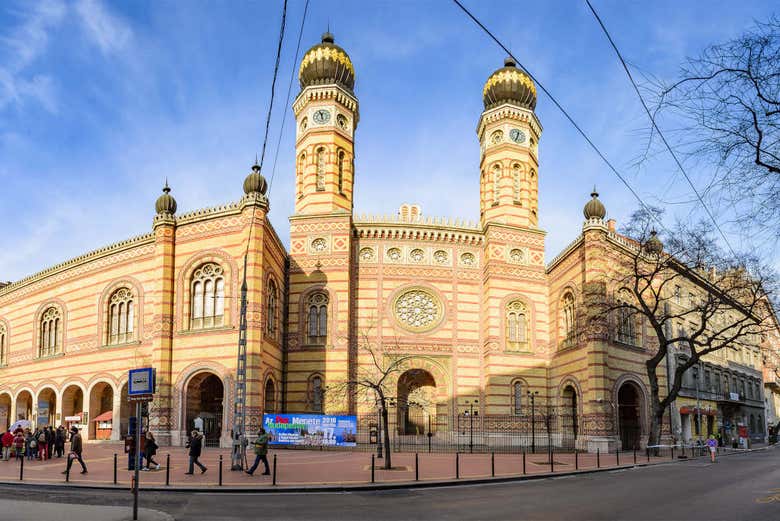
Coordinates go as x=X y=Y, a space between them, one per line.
x=306 y=468
x=37 y=511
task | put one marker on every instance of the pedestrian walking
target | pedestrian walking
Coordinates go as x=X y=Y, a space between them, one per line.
x=261 y=452
x=712 y=443
x=195 y=445
x=7 y=441
x=75 y=450
x=41 y=439
x=19 y=445
x=59 y=441
x=150 y=449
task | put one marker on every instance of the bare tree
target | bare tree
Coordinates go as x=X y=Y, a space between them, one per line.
x=692 y=299
x=725 y=111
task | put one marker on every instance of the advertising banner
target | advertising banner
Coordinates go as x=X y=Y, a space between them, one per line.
x=43 y=413
x=311 y=429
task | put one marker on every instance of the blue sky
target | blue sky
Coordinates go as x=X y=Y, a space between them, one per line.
x=101 y=101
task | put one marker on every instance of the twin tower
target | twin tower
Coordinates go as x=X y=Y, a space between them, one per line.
x=327 y=114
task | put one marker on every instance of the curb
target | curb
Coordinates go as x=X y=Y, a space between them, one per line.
x=367 y=487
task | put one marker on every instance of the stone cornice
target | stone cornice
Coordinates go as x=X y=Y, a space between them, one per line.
x=213 y=212
x=326 y=92
x=491 y=224
x=508 y=111
x=420 y=228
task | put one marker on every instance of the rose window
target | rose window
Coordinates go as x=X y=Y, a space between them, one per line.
x=468 y=259
x=440 y=256
x=366 y=254
x=318 y=244
x=394 y=254
x=417 y=255
x=417 y=310
x=517 y=255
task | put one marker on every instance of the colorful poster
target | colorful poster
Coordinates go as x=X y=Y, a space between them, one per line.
x=3 y=416
x=43 y=413
x=311 y=429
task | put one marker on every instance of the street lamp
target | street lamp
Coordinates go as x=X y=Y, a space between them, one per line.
x=532 y=396
x=470 y=414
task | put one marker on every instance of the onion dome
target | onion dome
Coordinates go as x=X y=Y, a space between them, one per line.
x=165 y=204
x=326 y=63
x=654 y=244
x=255 y=182
x=594 y=209
x=509 y=85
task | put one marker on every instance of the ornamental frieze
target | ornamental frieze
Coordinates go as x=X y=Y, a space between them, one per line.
x=318 y=226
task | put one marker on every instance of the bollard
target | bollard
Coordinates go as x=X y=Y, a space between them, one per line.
x=617 y=457
x=523 y=462
x=492 y=464
x=67 y=470
x=21 y=470
x=372 y=468
x=416 y=468
x=634 y=455
x=115 y=468
x=273 y=478
x=672 y=451
x=647 y=449
x=550 y=455
x=220 y=470
x=457 y=465
x=167 y=470
x=598 y=458
x=576 y=460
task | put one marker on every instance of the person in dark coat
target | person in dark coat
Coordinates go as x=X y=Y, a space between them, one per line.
x=59 y=441
x=261 y=452
x=195 y=445
x=75 y=450
x=150 y=449
x=49 y=432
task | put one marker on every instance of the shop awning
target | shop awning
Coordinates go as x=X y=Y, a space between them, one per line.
x=695 y=410
x=105 y=417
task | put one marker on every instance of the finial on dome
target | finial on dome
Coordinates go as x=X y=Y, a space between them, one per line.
x=327 y=36
x=165 y=204
x=594 y=209
x=510 y=62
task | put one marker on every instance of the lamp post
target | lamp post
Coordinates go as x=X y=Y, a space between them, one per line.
x=532 y=396
x=470 y=414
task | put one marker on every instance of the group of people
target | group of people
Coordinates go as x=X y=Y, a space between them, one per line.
x=260 y=446
x=43 y=443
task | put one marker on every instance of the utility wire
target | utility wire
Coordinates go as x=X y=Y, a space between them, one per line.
x=655 y=126
x=289 y=91
x=273 y=82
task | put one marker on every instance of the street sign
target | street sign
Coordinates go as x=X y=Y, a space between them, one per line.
x=141 y=398
x=141 y=382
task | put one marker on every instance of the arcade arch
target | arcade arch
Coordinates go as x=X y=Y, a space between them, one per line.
x=204 y=397
x=47 y=407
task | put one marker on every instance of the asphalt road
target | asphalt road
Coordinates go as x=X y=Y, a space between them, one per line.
x=740 y=487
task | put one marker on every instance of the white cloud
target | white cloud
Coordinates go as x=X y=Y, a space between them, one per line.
x=109 y=32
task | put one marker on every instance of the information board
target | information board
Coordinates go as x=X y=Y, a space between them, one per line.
x=311 y=429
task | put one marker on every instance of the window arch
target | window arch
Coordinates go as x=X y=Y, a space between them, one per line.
x=272 y=305
x=121 y=317
x=3 y=344
x=516 y=323
x=342 y=160
x=568 y=317
x=321 y=169
x=496 y=181
x=517 y=397
x=317 y=318
x=626 y=330
x=301 y=172
x=516 y=177
x=50 y=332
x=208 y=297
x=270 y=396
x=316 y=393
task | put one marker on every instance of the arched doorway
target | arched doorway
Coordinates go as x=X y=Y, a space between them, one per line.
x=628 y=411
x=568 y=416
x=204 y=396
x=24 y=403
x=72 y=404
x=270 y=396
x=47 y=407
x=6 y=414
x=101 y=406
x=416 y=401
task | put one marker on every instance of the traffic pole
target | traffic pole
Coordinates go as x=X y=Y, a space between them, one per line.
x=136 y=473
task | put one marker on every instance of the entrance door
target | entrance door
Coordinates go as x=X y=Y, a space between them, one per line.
x=628 y=416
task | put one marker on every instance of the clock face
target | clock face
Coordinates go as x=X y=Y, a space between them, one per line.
x=321 y=117
x=517 y=135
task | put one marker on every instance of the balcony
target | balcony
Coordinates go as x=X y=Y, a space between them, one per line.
x=770 y=378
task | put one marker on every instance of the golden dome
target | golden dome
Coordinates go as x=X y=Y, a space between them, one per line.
x=509 y=85
x=594 y=209
x=165 y=204
x=326 y=63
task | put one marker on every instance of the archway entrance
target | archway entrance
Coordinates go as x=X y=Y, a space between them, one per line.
x=24 y=403
x=72 y=404
x=101 y=407
x=204 y=396
x=416 y=401
x=629 y=424
x=6 y=414
x=47 y=407
x=568 y=414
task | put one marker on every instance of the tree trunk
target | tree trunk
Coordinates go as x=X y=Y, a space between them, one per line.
x=386 y=440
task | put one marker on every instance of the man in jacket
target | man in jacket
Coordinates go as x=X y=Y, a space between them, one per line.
x=75 y=450
x=7 y=440
x=261 y=452
x=195 y=445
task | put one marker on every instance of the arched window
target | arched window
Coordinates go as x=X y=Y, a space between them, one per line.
x=317 y=325
x=271 y=318
x=516 y=323
x=208 y=296
x=321 y=169
x=625 y=319
x=316 y=393
x=516 y=173
x=50 y=332
x=517 y=398
x=3 y=345
x=342 y=160
x=301 y=172
x=496 y=181
x=270 y=396
x=121 y=317
x=567 y=317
